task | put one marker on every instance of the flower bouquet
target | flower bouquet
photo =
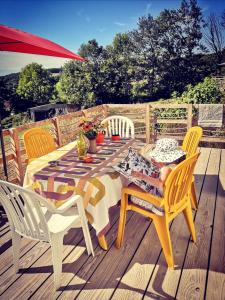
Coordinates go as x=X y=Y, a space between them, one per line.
x=89 y=128
x=93 y=130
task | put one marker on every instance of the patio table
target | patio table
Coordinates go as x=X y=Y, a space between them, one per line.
x=97 y=182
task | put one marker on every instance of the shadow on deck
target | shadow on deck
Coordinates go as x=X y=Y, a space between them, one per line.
x=138 y=270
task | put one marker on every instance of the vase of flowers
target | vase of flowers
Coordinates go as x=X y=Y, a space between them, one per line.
x=82 y=145
x=93 y=146
x=90 y=130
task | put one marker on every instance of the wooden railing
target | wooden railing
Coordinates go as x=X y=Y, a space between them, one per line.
x=166 y=120
x=151 y=122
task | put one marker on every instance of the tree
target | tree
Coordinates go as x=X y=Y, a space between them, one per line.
x=159 y=57
x=82 y=83
x=223 y=19
x=214 y=35
x=35 y=84
x=116 y=71
x=91 y=51
x=75 y=84
x=9 y=100
x=165 y=49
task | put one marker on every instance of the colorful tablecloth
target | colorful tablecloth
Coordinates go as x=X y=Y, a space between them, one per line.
x=97 y=182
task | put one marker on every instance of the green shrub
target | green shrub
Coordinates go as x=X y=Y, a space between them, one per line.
x=204 y=92
x=15 y=120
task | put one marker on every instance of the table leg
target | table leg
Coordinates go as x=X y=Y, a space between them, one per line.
x=102 y=242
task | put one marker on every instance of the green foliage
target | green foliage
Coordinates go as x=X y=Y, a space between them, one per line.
x=162 y=56
x=36 y=85
x=204 y=92
x=75 y=84
x=16 y=120
x=144 y=64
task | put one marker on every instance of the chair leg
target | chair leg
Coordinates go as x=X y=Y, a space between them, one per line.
x=56 y=242
x=163 y=232
x=85 y=228
x=194 y=201
x=122 y=221
x=189 y=220
x=87 y=237
x=16 y=239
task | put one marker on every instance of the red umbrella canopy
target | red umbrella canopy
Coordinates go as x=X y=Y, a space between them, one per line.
x=15 y=40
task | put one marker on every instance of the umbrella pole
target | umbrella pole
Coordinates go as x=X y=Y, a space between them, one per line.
x=3 y=151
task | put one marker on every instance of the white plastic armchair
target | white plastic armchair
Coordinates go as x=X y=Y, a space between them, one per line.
x=32 y=216
x=119 y=125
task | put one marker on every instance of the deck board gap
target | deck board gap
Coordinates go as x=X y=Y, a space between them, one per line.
x=211 y=238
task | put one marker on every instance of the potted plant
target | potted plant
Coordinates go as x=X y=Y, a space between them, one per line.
x=94 y=131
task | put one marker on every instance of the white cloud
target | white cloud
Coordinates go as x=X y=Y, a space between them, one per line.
x=205 y=8
x=101 y=29
x=11 y=62
x=81 y=14
x=148 y=7
x=120 y=24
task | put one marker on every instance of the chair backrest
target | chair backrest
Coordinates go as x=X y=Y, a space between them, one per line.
x=178 y=184
x=191 y=140
x=119 y=125
x=24 y=211
x=38 y=142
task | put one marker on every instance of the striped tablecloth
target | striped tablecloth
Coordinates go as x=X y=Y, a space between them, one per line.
x=97 y=182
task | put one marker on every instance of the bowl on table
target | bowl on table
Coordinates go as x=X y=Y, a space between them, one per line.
x=115 y=137
x=53 y=163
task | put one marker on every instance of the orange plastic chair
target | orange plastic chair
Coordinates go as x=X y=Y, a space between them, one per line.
x=38 y=142
x=190 y=145
x=175 y=201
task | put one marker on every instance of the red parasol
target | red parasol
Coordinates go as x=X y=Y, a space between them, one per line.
x=15 y=40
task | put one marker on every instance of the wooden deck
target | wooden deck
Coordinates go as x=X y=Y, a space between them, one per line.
x=138 y=270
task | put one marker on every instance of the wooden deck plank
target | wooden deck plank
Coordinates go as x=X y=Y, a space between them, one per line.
x=143 y=263
x=103 y=279
x=5 y=228
x=83 y=274
x=133 y=283
x=138 y=267
x=8 y=281
x=193 y=279
x=73 y=262
x=216 y=273
x=164 y=282
x=6 y=260
x=37 y=273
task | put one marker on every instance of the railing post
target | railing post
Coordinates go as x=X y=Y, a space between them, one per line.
x=18 y=154
x=57 y=130
x=147 y=123
x=189 y=116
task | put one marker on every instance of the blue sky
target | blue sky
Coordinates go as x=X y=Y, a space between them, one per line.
x=71 y=23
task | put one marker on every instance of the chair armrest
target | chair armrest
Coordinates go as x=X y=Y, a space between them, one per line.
x=139 y=193
x=62 y=208
x=68 y=204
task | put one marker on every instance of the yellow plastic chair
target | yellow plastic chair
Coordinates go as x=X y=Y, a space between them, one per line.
x=38 y=142
x=175 y=200
x=190 y=145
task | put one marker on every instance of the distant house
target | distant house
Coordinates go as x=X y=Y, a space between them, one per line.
x=48 y=111
x=221 y=69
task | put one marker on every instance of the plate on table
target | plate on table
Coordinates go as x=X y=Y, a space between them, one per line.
x=53 y=163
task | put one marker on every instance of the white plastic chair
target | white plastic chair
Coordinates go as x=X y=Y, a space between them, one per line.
x=119 y=125
x=27 y=217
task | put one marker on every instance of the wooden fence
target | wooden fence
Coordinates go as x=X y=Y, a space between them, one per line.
x=151 y=122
